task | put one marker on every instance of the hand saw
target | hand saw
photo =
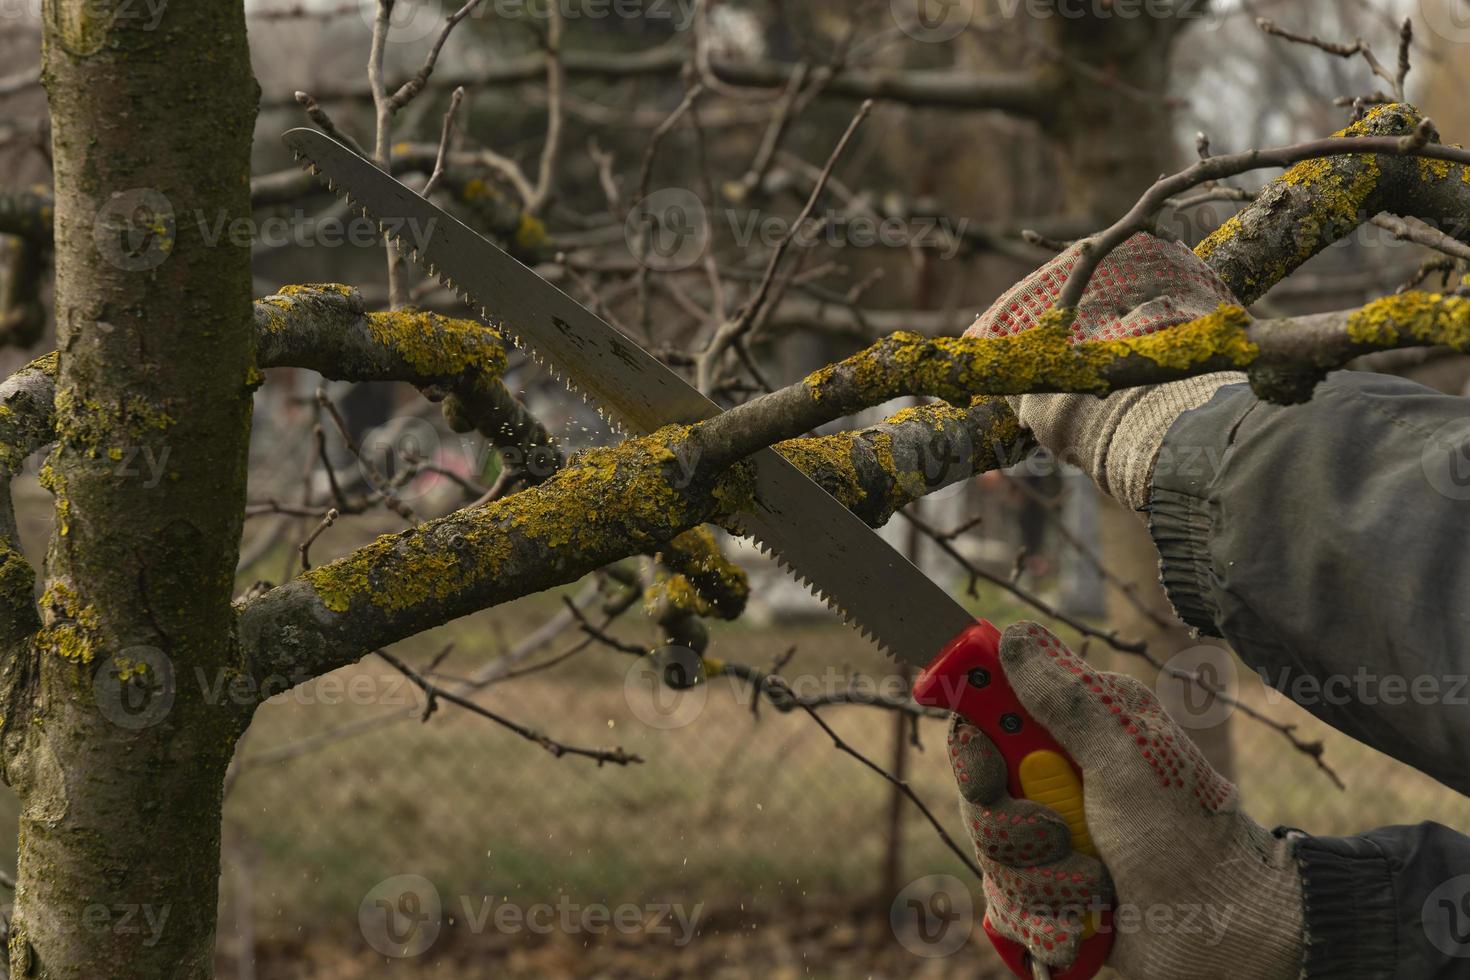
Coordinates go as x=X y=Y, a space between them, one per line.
x=834 y=553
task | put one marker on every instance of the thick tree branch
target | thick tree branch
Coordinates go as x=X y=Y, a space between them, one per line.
x=325 y=328
x=1014 y=92
x=1319 y=201
x=613 y=502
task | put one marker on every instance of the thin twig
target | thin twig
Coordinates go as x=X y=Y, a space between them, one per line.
x=902 y=786
x=616 y=756
x=328 y=519
x=444 y=139
x=319 y=116
x=411 y=88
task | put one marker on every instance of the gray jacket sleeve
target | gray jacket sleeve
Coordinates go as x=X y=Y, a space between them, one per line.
x=1327 y=544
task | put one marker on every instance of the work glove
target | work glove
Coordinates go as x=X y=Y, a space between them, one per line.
x=1144 y=285
x=1198 y=889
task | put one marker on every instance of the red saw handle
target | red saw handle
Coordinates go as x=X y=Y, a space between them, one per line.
x=967 y=678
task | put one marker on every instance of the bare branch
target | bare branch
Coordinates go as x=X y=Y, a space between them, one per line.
x=615 y=756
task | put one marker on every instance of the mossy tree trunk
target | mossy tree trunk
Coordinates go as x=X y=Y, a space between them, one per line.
x=117 y=734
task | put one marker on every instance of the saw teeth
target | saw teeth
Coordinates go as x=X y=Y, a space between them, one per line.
x=847 y=616
x=608 y=415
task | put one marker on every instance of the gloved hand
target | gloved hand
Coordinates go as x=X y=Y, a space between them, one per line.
x=1144 y=285
x=1200 y=890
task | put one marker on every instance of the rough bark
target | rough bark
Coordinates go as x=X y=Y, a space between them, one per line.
x=119 y=829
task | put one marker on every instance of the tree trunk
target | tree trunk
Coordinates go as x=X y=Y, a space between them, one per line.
x=119 y=750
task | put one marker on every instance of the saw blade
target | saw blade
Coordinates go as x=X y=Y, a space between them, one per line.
x=837 y=556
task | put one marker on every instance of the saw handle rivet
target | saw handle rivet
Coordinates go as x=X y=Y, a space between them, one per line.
x=978 y=677
x=1010 y=723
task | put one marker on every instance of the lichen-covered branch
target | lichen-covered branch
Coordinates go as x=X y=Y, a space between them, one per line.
x=612 y=502
x=1335 y=207
x=1318 y=201
x=883 y=468
x=606 y=504
x=1281 y=366
x=327 y=328
x=720 y=584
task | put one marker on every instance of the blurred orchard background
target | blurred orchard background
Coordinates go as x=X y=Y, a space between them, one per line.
x=746 y=842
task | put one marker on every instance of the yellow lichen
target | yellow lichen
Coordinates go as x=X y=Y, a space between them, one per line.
x=605 y=500
x=1225 y=233
x=1043 y=358
x=1429 y=318
x=827 y=460
x=310 y=288
x=1221 y=334
x=674 y=593
x=530 y=233
x=70 y=629
x=696 y=555
x=439 y=346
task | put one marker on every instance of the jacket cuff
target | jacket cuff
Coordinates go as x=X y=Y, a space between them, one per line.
x=1180 y=511
x=1348 y=911
x=1180 y=526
